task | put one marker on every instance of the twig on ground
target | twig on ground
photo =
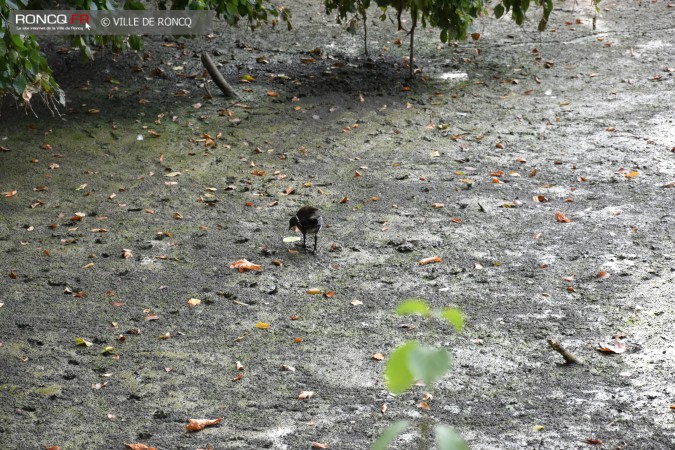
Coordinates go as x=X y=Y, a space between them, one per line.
x=569 y=357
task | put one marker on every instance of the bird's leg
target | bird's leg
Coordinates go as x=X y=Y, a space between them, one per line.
x=304 y=240
x=315 y=238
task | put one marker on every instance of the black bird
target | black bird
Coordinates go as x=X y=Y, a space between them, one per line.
x=308 y=220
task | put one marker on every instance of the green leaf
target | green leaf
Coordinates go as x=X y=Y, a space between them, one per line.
x=428 y=363
x=397 y=372
x=389 y=435
x=448 y=439
x=107 y=350
x=499 y=11
x=413 y=306
x=455 y=317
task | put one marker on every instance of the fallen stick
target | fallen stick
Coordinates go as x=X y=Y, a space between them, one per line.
x=218 y=77
x=569 y=357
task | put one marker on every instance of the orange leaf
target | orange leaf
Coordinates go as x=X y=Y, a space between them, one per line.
x=603 y=275
x=497 y=173
x=433 y=259
x=378 y=356
x=456 y=220
x=499 y=145
x=238 y=377
x=593 y=442
x=244 y=265
x=406 y=88
x=617 y=346
x=313 y=291
x=329 y=294
x=294 y=317
x=632 y=174
x=262 y=325
x=496 y=180
x=9 y=194
x=319 y=445
x=540 y=198
x=297 y=340
x=272 y=94
x=344 y=200
x=560 y=217
x=200 y=424
x=140 y=447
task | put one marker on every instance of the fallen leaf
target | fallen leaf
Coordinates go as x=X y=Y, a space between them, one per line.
x=378 y=356
x=287 y=368
x=272 y=94
x=313 y=291
x=540 y=198
x=262 y=325
x=305 y=395
x=150 y=317
x=592 y=441
x=329 y=294
x=139 y=447
x=456 y=220
x=356 y=302
x=616 y=346
x=200 y=424
x=239 y=366
x=560 y=217
x=244 y=265
x=82 y=342
x=297 y=340
x=344 y=200
x=603 y=275
x=433 y=259
x=437 y=205
x=9 y=194
x=238 y=377
x=537 y=427
x=319 y=445
x=194 y=302
x=88 y=265
x=172 y=174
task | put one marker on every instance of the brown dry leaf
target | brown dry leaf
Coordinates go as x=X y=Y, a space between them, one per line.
x=307 y=60
x=603 y=275
x=433 y=259
x=592 y=442
x=632 y=174
x=571 y=289
x=9 y=194
x=437 y=205
x=610 y=129
x=305 y=395
x=139 y=447
x=569 y=279
x=475 y=36
x=344 y=200
x=239 y=366
x=496 y=180
x=200 y=424
x=378 y=356
x=356 y=302
x=532 y=173
x=357 y=174
x=319 y=445
x=53 y=447
x=540 y=198
x=244 y=265
x=238 y=377
x=406 y=88
x=423 y=405
x=617 y=346
x=288 y=191
x=258 y=172
x=194 y=302
x=126 y=253
x=249 y=204
x=497 y=173
x=313 y=291
x=560 y=217
x=297 y=340
x=272 y=94
x=262 y=325
x=499 y=145
x=150 y=317
x=329 y=294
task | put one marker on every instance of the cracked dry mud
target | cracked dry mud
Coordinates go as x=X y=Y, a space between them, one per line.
x=593 y=133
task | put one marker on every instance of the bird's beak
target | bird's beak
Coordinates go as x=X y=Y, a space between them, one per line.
x=294 y=228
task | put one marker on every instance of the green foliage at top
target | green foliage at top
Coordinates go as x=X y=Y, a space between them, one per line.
x=24 y=70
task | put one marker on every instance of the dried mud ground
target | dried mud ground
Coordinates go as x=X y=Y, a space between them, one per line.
x=593 y=133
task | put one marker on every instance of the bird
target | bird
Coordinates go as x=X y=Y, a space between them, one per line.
x=308 y=220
